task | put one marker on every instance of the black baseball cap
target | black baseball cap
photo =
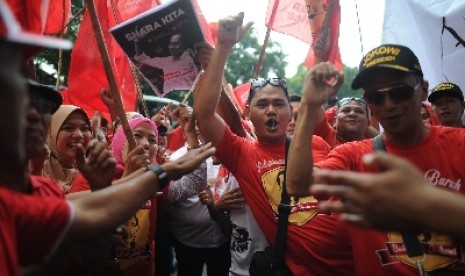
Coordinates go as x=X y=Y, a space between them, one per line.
x=46 y=91
x=392 y=56
x=445 y=89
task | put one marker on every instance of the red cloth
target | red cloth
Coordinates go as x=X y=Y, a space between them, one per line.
x=176 y=139
x=59 y=14
x=126 y=9
x=434 y=121
x=86 y=73
x=314 y=247
x=203 y=23
x=30 y=228
x=441 y=157
x=328 y=133
x=44 y=187
x=289 y=17
x=242 y=93
x=334 y=55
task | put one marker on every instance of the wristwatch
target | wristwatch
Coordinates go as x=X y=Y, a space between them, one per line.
x=162 y=176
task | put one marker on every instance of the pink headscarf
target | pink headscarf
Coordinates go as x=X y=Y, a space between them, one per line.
x=120 y=138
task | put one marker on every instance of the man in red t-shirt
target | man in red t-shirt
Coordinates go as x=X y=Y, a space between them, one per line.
x=393 y=85
x=316 y=243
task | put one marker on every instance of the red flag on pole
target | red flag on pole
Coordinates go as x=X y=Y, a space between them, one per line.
x=32 y=15
x=289 y=17
x=87 y=75
x=59 y=13
x=317 y=14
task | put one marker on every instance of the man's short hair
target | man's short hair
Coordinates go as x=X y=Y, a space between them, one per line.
x=295 y=98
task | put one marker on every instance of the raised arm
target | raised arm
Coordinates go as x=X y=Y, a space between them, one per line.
x=230 y=31
x=321 y=83
x=104 y=210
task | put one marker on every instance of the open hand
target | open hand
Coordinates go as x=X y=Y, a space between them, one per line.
x=188 y=162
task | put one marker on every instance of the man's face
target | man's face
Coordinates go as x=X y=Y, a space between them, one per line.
x=351 y=121
x=449 y=110
x=270 y=113
x=397 y=116
x=291 y=125
x=175 y=46
x=12 y=106
x=38 y=118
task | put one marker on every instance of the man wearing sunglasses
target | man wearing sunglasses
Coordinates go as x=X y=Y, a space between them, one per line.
x=448 y=104
x=392 y=81
x=315 y=245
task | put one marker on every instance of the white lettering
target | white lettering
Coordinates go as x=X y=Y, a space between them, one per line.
x=435 y=177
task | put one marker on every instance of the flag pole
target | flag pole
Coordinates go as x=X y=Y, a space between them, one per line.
x=258 y=67
x=109 y=73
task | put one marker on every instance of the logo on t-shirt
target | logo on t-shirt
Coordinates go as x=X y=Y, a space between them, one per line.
x=272 y=181
x=240 y=239
x=440 y=251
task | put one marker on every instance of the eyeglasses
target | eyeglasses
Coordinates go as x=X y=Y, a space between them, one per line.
x=43 y=106
x=260 y=82
x=397 y=94
x=347 y=100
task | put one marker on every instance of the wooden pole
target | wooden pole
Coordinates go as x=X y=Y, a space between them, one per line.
x=109 y=72
x=258 y=66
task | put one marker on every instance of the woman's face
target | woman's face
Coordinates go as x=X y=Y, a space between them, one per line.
x=145 y=135
x=74 y=132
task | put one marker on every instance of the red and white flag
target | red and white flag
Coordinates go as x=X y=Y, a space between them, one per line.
x=291 y=17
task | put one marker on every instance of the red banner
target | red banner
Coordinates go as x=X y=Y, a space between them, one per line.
x=59 y=14
x=87 y=75
x=317 y=15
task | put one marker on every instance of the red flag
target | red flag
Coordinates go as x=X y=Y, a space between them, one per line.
x=203 y=23
x=59 y=14
x=317 y=17
x=126 y=9
x=87 y=75
x=213 y=26
x=31 y=15
x=289 y=17
x=242 y=92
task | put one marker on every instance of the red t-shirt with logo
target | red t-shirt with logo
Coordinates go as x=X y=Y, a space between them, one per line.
x=328 y=133
x=440 y=157
x=316 y=244
x=30 y=228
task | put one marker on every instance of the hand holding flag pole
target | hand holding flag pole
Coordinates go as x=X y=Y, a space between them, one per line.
x=109 y=73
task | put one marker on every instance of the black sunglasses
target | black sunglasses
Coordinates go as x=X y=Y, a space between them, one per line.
x=397 y=94
x=43 y=106
x=260 y=82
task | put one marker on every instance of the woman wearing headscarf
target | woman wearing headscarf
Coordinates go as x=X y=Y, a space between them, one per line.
x=137 y=258
x=70 y=129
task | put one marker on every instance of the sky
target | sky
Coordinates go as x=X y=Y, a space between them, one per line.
x=370 y=14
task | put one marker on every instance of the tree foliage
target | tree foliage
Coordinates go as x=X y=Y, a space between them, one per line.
x=295 y=83
x=244 y=57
